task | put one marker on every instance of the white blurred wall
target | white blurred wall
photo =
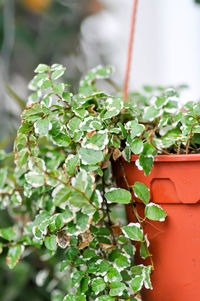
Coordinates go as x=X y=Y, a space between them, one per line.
x=166 y=45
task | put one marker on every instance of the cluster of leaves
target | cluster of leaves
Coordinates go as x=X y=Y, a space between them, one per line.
x=62 y=191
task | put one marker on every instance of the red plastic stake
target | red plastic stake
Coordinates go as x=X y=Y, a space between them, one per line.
x=130 y=47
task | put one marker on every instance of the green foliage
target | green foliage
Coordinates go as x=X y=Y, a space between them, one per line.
x=141 y=191
x=62 y=193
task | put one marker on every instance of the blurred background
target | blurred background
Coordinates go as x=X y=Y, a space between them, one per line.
x=82 y=34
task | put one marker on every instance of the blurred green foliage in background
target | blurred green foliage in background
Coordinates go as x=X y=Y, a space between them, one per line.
x=31 y=32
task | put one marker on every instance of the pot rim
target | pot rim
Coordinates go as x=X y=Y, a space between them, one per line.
x=172 y=158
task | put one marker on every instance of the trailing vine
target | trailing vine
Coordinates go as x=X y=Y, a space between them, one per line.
x=62 y=196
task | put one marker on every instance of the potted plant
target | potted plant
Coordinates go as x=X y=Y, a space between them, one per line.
x=166 y=159
x=62 y=193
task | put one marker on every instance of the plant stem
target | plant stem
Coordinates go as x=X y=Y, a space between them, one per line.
x=108 y=212
x=136 y=214
x=188 y=141
x=130 y=47
x=57 y=179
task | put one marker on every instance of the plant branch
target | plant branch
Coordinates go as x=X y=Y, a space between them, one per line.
x=188 y=141
x=56 y=178
x=130 y=47
x=136 y=213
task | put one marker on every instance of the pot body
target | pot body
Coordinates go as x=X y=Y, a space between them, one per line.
x=174 y=183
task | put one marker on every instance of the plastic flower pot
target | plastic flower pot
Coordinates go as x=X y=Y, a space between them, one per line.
x=175 y=244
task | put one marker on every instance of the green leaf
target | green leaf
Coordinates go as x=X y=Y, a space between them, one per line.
x=113 y=107
x=133 y=231
x=105 y=298
x=2 y=154
x=84 y=284
x=21 y=157
x=137 y=283
x=97 y=141
x=70 y=297
x=50 y=242
x=81 y=298
x=141 y=192
x=61 y=140
x=59 y=88
x=33 y=112
x=151 y=113
x=56 y=128
x=46 y=84
x=8 y=233
x=98 y=285
x=149 y=150
x=61 y=194
x=37 y=81
x=82 y=220
x=147 y=277
x=113 y=275
x=122 y=261
x=64 y=264
x=90 y=156
x=74 y=124
x=135 y=128
x=129 y=249
x=58 y=73
x=14 y=253
x=41 y=68
x=117 y=288
x=70 y=164
x=79 y=201
x=104 y=267
x=137 y=270
x=77 y=276
x=55 y=67
x=155 y=212
x=127 y=153
x=42 y=127
x=100 y=72
x=118 y=195
x=16 y=198
x=146 y=163
x=136 y=146
x=35 y=179
x=47 y=100
x=72 y=253
x=144 y=251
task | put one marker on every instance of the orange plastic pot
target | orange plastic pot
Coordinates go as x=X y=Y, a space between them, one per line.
x=175 y=244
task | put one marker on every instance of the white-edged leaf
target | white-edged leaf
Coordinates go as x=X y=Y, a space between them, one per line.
x=137 y=283
x=136 y=146
x=34 y=179
x=58 y=73
x=50 y=242
x=155 y=212
x=61 y=194
x=118 y=195
x=98 y=285
x=133 y=231
x=13 y=256
x=41 y=68
x=42 y=127
x=90 y=156
x=117 y=288
x=141 y=192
